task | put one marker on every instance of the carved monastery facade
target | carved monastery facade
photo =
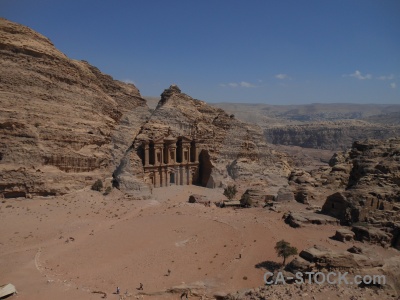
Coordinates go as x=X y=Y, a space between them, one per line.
x=171 y=161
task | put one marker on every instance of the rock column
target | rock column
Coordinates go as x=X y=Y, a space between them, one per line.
x=196 y=153
x=146 y=154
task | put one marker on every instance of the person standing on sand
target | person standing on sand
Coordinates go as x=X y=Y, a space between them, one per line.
x=117 y=290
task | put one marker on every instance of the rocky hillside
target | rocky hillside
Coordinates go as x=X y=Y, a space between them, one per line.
x=371 y=199
x=234 y=150
x=372 y=169
x=63 y=123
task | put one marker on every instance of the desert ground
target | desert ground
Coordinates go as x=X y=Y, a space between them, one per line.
x=71 y=246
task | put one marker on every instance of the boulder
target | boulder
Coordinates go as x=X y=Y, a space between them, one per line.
x=356 y=250
x=284 y=195
x=303 y=196
x=253 y=197
x=344 y=235
x=298 y=264
x=326 y=258
x=195 y=198
x=372 y=235
x=298 y=219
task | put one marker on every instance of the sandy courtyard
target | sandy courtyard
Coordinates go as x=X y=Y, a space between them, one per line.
x=67 y=247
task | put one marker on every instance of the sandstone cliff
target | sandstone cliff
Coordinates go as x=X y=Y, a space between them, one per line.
x=372 y=192
x=63 y=123
x=233 y=150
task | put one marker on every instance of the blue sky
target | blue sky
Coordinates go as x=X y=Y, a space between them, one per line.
x=259 y=51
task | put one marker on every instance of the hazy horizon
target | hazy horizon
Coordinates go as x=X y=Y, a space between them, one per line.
x=284 y=104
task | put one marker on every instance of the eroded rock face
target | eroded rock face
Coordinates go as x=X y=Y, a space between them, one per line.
x=372 y=235
x=230 y=150
x=373 y=190
x=253 y=197
x=63 y=123
x=372 y=193
x=331 y=260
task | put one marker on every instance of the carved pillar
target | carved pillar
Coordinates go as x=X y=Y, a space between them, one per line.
x=173 y=151
x=156 y=179
x=162 y=156
x=183 y=153
x=190 y=177
x=157 y=156
x=196 y=153
x=167 y=180
x=167 y=155
x=181 y=177
x=146 y=154
x=189 y=157
x=162 y=179
x=186 y=158
x=187 y=175
x=177 y=180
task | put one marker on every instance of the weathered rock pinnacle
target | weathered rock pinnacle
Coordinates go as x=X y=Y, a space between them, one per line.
x=173 y=89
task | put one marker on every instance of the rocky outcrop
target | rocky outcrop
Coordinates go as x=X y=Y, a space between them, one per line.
x=195 y=198
x=372 y=235
x=328 y=259
x=63 y=123
x=372 y=193
x=230 y=150
x=253 y=197
x=373 y=188
x=344 y=235
x=314 y=264
x=300 y=219
x=284 y=195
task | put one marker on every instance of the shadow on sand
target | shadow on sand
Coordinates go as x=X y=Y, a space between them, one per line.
x=269 y=265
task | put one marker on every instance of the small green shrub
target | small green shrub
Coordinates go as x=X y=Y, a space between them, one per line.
x=97 y=186
x=230 y=192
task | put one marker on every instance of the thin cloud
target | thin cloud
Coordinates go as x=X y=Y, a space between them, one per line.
x=357 y=74
x=388 y=77
x=238 y=84
x=282 y=76
x=246 y=84
x=393 y=85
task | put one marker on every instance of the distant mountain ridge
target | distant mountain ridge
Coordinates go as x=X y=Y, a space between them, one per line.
x=322 y=126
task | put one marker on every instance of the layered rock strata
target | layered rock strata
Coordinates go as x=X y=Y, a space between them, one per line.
x=229 y=150
x=63 y=123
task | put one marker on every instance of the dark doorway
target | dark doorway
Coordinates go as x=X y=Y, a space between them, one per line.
x=205 y=168
x=172 y=178
x=179 y=150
